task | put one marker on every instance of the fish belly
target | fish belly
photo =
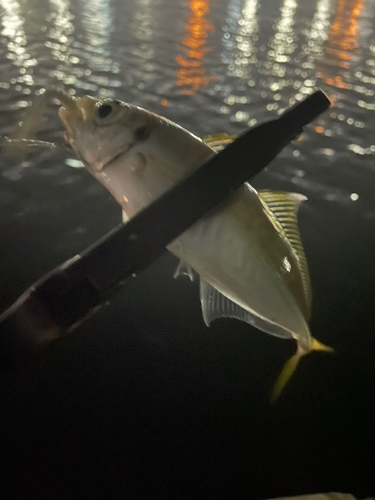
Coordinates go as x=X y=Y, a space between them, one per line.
x=236 y=259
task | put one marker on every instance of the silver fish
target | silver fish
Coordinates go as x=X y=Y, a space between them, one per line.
x=248 y=254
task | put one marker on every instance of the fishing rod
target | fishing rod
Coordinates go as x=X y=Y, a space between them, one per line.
x=68 y=295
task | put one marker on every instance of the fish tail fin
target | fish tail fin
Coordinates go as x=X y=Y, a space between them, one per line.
x=290 y=367
x=318 y=346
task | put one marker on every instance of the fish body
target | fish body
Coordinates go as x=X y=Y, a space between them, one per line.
x=248 y=253
x=243 y=253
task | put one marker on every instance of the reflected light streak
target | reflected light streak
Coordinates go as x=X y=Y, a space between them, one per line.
x=13 y=29
x=98 y=24
x=343 y=37
x=61 y=41
x=60 y=33
x=282 y=44
x=246 y=37
x=97 y=20
x=142 y=28
x=316 y=36
x=191 y=72
x=318 y=32
x=342 y=40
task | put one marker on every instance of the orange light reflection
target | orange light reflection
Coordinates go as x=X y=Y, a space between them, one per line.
x=342 y=42
x=343 y=37
x=191 y=72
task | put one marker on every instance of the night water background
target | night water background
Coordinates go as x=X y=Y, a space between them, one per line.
x=144 y=401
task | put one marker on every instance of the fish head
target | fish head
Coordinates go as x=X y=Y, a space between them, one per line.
x=137 y=155
x=102 y=130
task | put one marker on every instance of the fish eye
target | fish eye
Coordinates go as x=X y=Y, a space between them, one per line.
x=104 y=110
x=107 y=112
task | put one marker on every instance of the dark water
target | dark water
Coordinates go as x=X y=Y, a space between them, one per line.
x=144 y=401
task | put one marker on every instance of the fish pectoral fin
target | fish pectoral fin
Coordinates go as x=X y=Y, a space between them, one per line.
x=284 y=207
x=218 y=141
x=184 y=269
x=216 y=305
x=290 y=367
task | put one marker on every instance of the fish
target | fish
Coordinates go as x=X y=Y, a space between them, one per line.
x=248 y=253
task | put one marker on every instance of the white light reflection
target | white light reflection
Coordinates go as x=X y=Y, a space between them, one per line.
x=240 y=37
x=142 y=29
x=230 y=27
x=313 y=49
x=287 y=265
x=246 y=36
x=97 y=20
x=282 y=44
x=13 y=29
x=318 y=32
x=60 y=40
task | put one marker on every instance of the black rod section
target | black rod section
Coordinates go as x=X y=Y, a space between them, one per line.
x=72 y=292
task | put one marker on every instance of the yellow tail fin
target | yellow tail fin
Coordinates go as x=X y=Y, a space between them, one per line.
x=318 y=346
x=291 y=365
x=287 y=371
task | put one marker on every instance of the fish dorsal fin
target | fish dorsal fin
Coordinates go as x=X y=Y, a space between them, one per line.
x=216 y=305
x=218 y=141
x=285 y=207
x=184 y=269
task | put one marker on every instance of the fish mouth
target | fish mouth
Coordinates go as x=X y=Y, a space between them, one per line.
x=70 y=119
x=72 y=116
